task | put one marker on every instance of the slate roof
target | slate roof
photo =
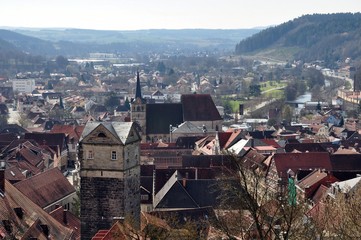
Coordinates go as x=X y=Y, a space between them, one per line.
x=120 y=130
x=199 y=107
x=179 y=192
x=160 y=116
x=46 y=187
x=261 y=134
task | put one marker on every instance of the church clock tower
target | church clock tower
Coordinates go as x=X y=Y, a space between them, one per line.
x=138 y=109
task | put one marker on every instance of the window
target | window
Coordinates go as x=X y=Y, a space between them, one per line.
x=102 y=135
x=144 y=197
x=90 y=154
x=114 y=155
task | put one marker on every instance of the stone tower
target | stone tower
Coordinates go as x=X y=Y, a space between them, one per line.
x=109 y=175
x=138 y=109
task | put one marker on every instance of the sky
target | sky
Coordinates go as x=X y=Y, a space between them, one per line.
x=162 y=14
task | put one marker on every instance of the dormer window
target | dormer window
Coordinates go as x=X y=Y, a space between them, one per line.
x=102 y=135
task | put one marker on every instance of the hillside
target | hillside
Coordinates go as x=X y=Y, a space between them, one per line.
x=80 y=42
x=327 y=37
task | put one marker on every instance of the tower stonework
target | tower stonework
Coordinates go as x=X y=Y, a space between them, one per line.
x=109 y=176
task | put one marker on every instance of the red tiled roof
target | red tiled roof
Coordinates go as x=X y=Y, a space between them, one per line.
x=271 y=142
x=320 y=194
x=232 y=139
x=69 y=130
x=46 y=188
x=223 y=138
x=71 y=221
x=301 y=161
x=13 y=174
x=33 y=216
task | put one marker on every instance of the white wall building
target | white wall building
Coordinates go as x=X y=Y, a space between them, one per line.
x=23 y=85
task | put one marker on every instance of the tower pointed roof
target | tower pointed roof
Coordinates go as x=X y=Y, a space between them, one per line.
x=138 y=93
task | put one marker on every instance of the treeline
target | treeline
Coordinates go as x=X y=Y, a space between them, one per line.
x=319 y=36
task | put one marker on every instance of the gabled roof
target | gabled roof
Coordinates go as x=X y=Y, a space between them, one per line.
x=180 y=192
x=346 y=162
x=32 y=216
x=49 y=139
x=46 y=187
x=199 y=107
x=252 y=159
x=238 y=147
x=13 y=174
x=188 y=127
x=305 y=147
x=237 y=134
x=312 y=179
x=301 y=161
x=72 y=131
x=261 y=134
x=67 y=219
x=120 y=130
x=171 y=187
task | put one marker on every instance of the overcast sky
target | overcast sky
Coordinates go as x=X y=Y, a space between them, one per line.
x=163 y=14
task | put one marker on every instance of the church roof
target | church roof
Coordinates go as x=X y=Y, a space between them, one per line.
x=160 y=116
x=138 y=93
x=199 y=107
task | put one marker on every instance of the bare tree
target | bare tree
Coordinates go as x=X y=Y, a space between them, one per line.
x=254 y=208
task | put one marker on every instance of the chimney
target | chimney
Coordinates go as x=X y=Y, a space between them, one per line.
x=45 y=229
x=2 y=176
x=184 y=182
x=65 y=217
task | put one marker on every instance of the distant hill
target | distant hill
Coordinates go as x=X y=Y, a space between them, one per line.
x=78 y=41
x=327 y=37
x=27 y=44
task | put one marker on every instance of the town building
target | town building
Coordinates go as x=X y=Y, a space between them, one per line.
x=23 y=85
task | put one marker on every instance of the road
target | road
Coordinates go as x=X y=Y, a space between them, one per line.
x=14 y=116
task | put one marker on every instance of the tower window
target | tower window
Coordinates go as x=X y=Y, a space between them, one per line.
x=114 y=155
x=102 y=135
x=90 y=154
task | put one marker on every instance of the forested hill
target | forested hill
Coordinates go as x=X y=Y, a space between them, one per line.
x=327 y=37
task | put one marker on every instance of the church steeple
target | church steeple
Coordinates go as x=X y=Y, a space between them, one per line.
x=138 y=93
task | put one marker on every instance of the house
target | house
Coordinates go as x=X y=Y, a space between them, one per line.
x=67 y=219
x=308 y=185
x=72 y=134
x=48 y=190
x=57 y=142
x=23 y=219
x=28 y=156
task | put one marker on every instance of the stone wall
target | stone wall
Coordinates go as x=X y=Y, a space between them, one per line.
x=101 y=200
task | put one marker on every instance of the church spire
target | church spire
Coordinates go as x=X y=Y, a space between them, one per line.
x=138 y=93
